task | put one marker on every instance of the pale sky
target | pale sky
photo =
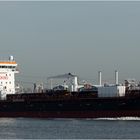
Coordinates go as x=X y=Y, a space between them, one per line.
x=51 y=38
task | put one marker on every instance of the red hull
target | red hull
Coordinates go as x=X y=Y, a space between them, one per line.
x=72 y=114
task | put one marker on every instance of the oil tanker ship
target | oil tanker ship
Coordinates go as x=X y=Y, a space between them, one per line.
x=68 y=100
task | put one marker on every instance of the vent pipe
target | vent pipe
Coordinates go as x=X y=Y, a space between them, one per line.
x=100 y=77
x=116 y=77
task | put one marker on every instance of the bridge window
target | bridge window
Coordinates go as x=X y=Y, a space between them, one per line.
x=9 y=67
x=4 y=66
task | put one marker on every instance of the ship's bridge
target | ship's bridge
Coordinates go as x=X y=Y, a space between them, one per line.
x=8 y=66
x=8 y=69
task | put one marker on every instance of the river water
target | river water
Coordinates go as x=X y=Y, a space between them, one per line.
x=27 y=128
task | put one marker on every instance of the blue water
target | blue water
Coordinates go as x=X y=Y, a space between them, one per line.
x=21 y=128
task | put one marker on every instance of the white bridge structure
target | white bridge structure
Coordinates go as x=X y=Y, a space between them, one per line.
x=8 y=69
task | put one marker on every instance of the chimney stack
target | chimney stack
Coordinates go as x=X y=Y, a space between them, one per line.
x=116 y=77
x=100 y=78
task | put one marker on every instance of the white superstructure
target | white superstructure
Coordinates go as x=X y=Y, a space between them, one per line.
x=111 y=91
x=108 y=90
x=8 y=69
